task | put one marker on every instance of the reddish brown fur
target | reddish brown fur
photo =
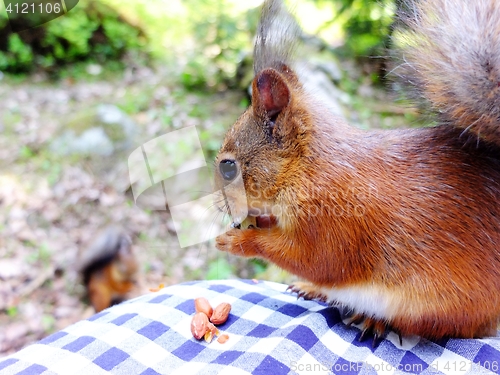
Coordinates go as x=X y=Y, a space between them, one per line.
x=414 y=211
x=113 y=281
x=109 y=268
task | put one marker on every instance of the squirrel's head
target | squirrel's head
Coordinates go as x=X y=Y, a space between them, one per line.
x=259 y=152
x=252 y=164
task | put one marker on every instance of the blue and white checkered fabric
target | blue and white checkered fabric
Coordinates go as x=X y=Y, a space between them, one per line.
x=270 y=332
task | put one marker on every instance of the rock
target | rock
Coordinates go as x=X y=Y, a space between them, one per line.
x=331 y=69
x=102 y=132
x=120 y=127
x=320 y=84
x=91 y=141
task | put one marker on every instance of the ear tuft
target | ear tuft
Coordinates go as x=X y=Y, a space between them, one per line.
x=270 y=92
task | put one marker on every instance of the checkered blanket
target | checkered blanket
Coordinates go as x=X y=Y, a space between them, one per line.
x=270 y=332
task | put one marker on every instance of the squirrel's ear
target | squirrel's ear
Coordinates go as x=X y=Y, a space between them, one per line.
x=270 y=93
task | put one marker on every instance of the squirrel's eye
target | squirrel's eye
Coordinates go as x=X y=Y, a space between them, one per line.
x=228 y=169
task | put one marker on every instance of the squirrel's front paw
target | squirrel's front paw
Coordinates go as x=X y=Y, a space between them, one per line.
x=234 y=241
x=308 y=291
x=224 y=242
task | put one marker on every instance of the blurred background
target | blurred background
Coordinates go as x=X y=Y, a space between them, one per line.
x=80 y=93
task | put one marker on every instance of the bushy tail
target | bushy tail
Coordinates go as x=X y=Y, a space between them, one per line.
x=450 y=52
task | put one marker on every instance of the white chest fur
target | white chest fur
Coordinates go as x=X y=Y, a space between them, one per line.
x=372 y=300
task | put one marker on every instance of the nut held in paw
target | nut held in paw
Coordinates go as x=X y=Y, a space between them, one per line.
x=250 y=221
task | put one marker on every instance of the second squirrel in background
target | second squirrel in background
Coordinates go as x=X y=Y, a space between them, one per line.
x=400 y=226
x=109 y=268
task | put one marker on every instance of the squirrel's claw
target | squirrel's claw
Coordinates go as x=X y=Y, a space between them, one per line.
x=355 y=319
x=370 y=326
x=375 y=327
x=307 y=291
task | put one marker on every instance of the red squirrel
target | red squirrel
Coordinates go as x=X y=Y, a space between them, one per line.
x=402 y=227
x=109 y=268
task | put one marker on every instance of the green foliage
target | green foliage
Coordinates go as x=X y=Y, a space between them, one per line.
x=219 y=269
x=19 y=55
x=223 y=35
x=42 y=254
x=92 y=31
x=259 y=266
x=366 y=24
x=195 y=74
x=48 y=323
x=221 y=41
x=69 y=36
x=12 y=311
x=53 y=170
x=26 y=152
